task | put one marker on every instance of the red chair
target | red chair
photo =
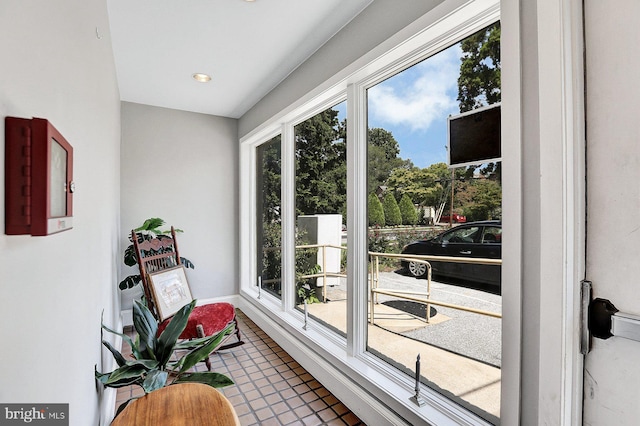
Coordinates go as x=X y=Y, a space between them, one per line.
x=159 y=255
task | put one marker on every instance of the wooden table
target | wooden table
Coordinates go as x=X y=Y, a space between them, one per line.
x=185 y=404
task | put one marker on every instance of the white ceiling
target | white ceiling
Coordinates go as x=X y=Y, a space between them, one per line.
x=247 y=48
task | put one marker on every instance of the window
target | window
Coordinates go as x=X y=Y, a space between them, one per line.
x=318 y=180
x=411 y=185
x=321 y=207
x=268 y=219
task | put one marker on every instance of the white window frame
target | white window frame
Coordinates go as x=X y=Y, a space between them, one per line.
x=557 y=34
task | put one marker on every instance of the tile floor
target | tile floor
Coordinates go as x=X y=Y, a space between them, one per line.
x=271 y=388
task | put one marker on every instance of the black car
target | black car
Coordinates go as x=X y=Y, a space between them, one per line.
x=473 y=239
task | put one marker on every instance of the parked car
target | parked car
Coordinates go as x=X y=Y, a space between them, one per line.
x=473 y=239
x=457 y=218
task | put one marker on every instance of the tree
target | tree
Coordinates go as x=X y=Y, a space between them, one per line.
x=479 y=81
x=479 y=84
x=392 y=216
x=484 y=200
x=320 y=165
x=383 y=150
x=269 y=179
x=424 y=187
x=408 y=211
x=376 y=212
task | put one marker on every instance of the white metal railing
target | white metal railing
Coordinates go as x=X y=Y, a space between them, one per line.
x=417 y=296
x=423 y=297
x=323 y=268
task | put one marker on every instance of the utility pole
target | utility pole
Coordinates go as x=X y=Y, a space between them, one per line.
x=453 y=176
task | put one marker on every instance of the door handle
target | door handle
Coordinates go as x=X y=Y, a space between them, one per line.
x=465 y=252
x=606 y=321
x=601 y=319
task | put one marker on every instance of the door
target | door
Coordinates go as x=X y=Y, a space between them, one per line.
x=612 y=37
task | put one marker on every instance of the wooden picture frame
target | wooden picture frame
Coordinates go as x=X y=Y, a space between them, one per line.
x=170 y=291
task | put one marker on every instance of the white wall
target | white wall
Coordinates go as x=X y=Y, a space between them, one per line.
x=55 y=288
x=612 y=372
x=182 y=167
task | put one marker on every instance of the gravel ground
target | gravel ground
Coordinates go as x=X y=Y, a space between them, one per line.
x=465 y=333
x=472 y=335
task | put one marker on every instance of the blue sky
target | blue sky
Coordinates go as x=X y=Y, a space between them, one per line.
x=414 y=105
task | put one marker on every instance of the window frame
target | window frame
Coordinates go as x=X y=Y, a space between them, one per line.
x=445 y=26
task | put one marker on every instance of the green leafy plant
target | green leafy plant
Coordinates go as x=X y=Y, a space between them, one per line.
x=156 y=361
x=149 y=230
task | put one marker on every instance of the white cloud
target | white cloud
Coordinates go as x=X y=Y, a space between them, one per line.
x=419 y=95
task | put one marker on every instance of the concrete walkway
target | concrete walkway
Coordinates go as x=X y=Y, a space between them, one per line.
x=471 y=383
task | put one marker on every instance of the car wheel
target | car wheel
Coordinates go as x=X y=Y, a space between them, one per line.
x=417 y=269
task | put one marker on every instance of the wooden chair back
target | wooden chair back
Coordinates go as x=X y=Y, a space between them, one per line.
x=154 y=255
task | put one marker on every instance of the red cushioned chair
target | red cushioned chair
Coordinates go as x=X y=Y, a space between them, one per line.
x=159 y=254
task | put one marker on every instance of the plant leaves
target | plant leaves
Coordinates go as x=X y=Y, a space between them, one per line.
x=200 y=353
x=132 y=345
x=116 y=354
x=134 y=371
x=146 y=326
x=104 y=379
x=191 y=343
x=170 y=334
x=130 y=258
x=155 y=380
x=129 y=282
x=151 y=224
x=210 y=378
x=187 y=263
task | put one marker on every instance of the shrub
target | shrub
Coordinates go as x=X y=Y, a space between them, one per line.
x=376 y=212
x=392 y=214
x=408 y=211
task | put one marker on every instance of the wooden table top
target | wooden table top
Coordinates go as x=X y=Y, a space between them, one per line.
x=185 y=404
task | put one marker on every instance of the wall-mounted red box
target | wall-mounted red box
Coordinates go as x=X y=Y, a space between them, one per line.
x=38 y=178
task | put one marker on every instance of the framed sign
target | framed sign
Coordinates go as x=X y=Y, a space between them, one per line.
x=170 y=291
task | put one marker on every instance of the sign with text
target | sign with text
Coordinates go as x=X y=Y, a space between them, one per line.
x=34 y=414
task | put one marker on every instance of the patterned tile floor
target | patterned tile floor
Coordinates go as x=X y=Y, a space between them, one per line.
x=271 y=388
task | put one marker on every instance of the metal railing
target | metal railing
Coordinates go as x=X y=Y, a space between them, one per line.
x=423 y=297
x=418 y=296
x=324 y=274
x=323 y=268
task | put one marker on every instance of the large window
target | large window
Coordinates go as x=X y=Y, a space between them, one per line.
x=268 y=219
x=319 y=210
x=415 y=196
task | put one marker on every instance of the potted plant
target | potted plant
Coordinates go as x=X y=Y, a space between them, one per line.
x=148 y=230
x=154 y=365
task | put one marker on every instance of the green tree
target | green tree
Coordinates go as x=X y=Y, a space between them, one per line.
x=383 y=150
x=269 y=179
x=408 y=211
x=320 y=165
x=479 y=81
x=376 y=212
x=424 y=187
x=483 y=200
x=392 y=216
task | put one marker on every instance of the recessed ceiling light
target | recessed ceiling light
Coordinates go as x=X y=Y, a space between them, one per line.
x=202 y=78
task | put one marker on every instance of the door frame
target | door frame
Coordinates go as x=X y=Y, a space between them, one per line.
x=544 y=223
